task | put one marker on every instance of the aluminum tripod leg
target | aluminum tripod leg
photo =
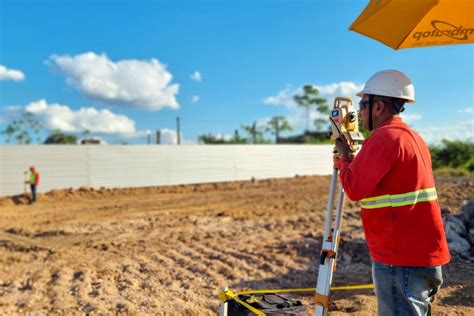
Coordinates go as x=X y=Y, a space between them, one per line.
x=329 y=248
x=224 y=305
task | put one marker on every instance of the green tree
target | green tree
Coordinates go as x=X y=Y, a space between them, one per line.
x=211 y=139
x=308 y=99
x=469 y=166
x=58 y=137
x=454 y=154
x=238 y=139
x=23 y=129
x=86 y=133
x=276 y=125
x=207 y=139
x=255 y=132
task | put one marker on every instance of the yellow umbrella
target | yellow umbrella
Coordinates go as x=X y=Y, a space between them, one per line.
x=417 y=23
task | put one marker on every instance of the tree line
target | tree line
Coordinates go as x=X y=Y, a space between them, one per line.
x=25 y=130
x=453 y=157
x=308 y=100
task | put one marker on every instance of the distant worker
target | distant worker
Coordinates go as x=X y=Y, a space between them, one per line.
x=392 y=178
x=34 y=181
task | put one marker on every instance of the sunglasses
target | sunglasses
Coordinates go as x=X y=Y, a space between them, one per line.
x=363 y=105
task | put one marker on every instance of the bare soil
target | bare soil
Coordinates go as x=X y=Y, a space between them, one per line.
x=169 y=250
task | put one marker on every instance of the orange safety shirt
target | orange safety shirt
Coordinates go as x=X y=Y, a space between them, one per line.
x=392 y=178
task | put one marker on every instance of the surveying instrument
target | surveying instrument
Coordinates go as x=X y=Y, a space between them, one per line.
x=345 y=124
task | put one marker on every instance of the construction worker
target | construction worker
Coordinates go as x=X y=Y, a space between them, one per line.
x=392 y=178
x=33 y=182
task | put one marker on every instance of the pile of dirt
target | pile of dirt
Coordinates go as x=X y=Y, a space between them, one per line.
x=171 y=249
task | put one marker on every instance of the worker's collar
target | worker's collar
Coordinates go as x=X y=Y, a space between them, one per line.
x=391 y=120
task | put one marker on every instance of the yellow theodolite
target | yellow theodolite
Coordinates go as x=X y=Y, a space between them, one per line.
x=345 y=121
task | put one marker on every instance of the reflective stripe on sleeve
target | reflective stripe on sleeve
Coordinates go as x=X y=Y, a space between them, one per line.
x=394 y=200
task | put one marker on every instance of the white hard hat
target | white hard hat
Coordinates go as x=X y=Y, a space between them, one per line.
x=390 y=83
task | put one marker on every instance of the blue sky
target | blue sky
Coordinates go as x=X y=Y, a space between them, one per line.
x=122 y=68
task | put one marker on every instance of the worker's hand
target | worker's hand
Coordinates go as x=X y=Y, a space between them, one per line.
x=342 y=146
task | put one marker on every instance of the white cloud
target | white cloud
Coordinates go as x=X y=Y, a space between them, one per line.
x=466 y=110
x=345 y=89
x=195 y=99
x=129 y=83
x=409 y=118
x=98 y=122
x=57 y=116
x=11 y=74
x=262 y=122
x=170 y=137
x=297 y=115
x=433 y=134
x=283 y=97
x=196 y=76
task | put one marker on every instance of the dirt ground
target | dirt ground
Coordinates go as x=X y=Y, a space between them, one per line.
x=169 y=250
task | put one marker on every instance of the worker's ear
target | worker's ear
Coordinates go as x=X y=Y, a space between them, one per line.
x=379 y=106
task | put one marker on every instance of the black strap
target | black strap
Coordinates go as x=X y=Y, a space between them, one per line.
x=371 y=100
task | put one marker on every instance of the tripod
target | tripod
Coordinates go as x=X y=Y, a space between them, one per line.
x=327 y=263
x=344 y=122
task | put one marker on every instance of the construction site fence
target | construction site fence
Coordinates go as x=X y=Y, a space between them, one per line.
x=119 y=166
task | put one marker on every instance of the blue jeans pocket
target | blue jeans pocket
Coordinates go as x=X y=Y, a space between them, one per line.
x=405 y=290
x=421 y=283
x=378 y=265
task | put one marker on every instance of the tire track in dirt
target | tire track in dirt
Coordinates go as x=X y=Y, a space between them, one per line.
x=248 y=263
x=229 y=260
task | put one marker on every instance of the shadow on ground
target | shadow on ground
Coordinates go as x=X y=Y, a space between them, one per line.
x=20 y=199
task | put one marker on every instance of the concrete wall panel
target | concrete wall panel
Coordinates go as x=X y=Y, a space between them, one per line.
x=72 y=166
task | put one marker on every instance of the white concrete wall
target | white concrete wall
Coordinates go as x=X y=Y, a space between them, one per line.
x=72 y=166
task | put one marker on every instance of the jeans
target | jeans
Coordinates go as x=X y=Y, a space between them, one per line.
x=405 y=290
x=33 y=193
